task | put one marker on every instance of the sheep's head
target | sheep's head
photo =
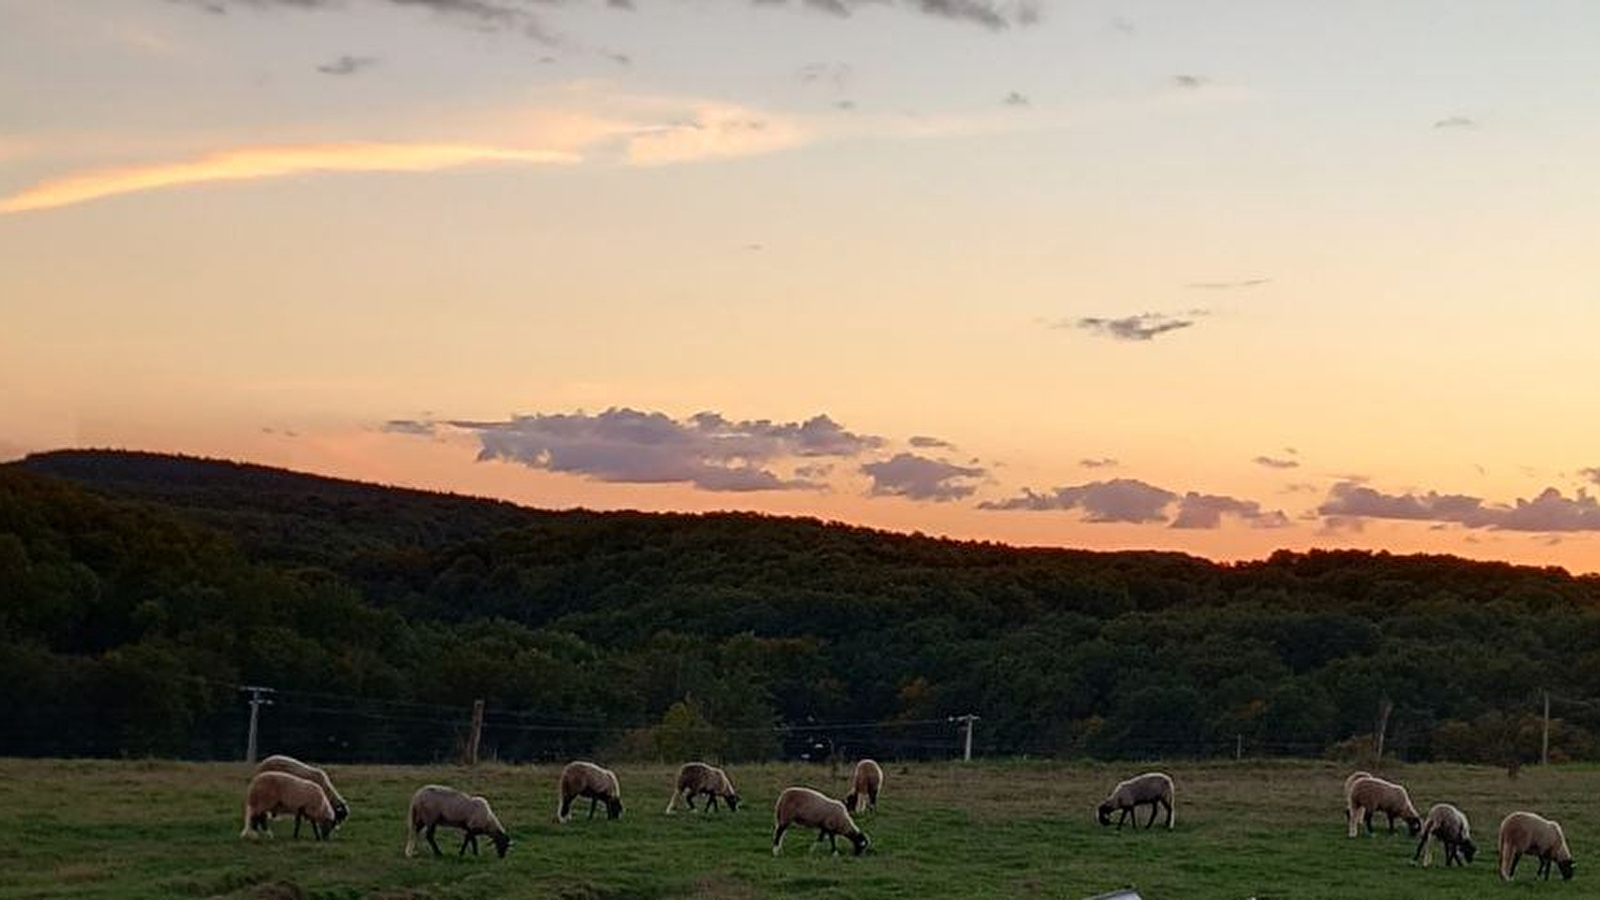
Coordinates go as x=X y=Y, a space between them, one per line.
x=850 y=800
x=1414 y=825
x=1468 y=849
x=733 y=802
x=340 y=813
x=614 y=808
x=1103 y=813
x=502 y=843
x=1566 y=869
x=859 y=841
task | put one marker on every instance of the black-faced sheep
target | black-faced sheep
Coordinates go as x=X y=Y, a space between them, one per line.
x=585 y=779
x=1449 y=826
x=1154 y=788
x=435 y=805
x=1373 y=795
x=698 y=778
x=866 y=781
x=276 y=793
x=810 y=809
x=1526 y=833
x=292 y=766
x=1349 y=783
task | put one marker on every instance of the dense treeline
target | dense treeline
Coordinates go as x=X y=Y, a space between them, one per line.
x=137 y=591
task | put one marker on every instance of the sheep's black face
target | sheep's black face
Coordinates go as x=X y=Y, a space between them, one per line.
x=850 y=801
x=1566 y=870
x=1468 y=850
x=1414 y=826
x=859 y=841
x=340 y=813
x=613 y=809
x=733 y=802
x=1103 y=813
x=502 y=843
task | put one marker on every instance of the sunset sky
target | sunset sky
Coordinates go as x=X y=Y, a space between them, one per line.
x=1220 y=277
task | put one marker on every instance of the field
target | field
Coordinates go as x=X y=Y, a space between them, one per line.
x=152 y=829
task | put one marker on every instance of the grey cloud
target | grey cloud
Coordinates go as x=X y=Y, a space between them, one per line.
x=992 y=15
x=1550 y=511
x=1456 y=122
x=1190 y=81
x=1273 y=462
x=846 y=105
x=1100 y=462
x=1015 y=98
x=1142 y=327
x=706 y=450
x=1205 y=511
x=408 y=426
x=1592 y=473
x=347 y=65
x=921 y=478
x=1124 y=26
x=1228 y=285
x=495 y=15
x=1117 y=500
x=924 y=441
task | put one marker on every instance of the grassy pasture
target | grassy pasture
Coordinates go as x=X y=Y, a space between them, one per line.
x=154 y=829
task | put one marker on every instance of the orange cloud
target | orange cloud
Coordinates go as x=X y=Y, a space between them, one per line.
x=249 y=163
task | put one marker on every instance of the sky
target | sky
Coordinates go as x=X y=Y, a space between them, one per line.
x=1218 y=277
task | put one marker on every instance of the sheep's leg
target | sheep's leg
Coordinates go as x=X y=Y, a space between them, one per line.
x=1168 y=805
x=1123 y=818
x=1391 y=822
x=1367 y=818
x=464 y=839
x=297 y=817
x=593 y=802
x=1150 y=824
x=833 y=841
x=431 y=842
x=777 y=839
x=1427 y=844
x=1515 y=858
x=566 y=808
x=872 y=799
x=711 y=800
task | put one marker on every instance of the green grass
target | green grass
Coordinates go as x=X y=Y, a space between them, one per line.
x=89 y=829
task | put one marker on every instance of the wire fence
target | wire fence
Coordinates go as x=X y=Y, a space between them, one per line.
x=342 y=728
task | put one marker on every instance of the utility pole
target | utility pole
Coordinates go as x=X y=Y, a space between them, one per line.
x=1238 y=747
x=470 y=755
x=1385 y=707
x=1544 y=749
x=257 y=700
x=966 y=743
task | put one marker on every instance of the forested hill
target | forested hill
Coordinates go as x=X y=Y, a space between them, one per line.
x=138 y=590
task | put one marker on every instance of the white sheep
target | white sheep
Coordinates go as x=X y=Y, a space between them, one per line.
x=292 y=766
x=698 y=778
x=275 y=793
x=867 y=780
x=1373 y=795
x=1449 y=825
x=435 y=805
x=585 y=779
x=1154 y=788
x=1528 y=833
x=809 y=809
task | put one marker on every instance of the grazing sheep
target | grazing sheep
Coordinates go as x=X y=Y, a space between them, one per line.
x=434 y=805
x=1449 y=825
x=292 y=766
x=585 y=779
x=1525 y=832
x=1154 y=788
x=698 y=778
x=1371 y=794
x=810 y=809
x=868 y=780
x=274 y=793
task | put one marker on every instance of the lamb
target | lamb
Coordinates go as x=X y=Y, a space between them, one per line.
x=274 y=793
x=1525 y=832
x=1154 y=788
x=810 y=809
x=1372 y=794
x=1449 y=825
x=868 y=780
x=434 y=805
x=585 y=779
x=292 y=766
x=698 y=778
